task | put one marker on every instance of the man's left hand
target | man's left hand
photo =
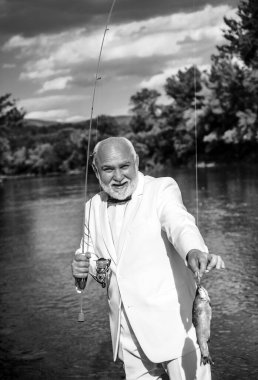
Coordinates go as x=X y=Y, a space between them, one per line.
x=200 y=262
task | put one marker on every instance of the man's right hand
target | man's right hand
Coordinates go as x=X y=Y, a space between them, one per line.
x=80 y=265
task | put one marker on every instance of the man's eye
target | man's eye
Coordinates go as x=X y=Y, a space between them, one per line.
x=107 y=170
x=125 y=166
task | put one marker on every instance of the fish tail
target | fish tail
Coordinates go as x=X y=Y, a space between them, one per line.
x=206 y=359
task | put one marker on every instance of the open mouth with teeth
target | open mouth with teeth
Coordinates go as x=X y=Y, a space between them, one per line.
x=119 y=186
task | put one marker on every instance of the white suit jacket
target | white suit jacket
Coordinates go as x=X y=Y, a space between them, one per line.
x=148 y=271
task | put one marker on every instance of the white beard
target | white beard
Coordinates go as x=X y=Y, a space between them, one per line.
x=120 y=194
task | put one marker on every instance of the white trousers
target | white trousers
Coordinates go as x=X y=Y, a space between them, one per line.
x=138 y=366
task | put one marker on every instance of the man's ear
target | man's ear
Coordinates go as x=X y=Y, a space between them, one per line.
x=137 y=160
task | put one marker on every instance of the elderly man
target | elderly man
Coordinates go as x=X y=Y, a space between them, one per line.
x=141 y=225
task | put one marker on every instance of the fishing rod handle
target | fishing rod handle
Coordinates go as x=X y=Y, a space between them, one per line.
x=80 y=282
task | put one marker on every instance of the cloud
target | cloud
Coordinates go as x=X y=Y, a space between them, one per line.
x=55 y=84
x=8 y=65
x=74 y=119
x=54 y=107
x=54 y=114
x=158 y=81
x=45 y=103
x=195 y=44
x=18 y=41
x=47 y=56
x=143 y=52
x=49 y=16
x=59 y=15
x=60 y=115
x=39 y=74
x=65 y=54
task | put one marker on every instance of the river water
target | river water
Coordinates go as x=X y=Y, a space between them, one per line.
x=41 y=224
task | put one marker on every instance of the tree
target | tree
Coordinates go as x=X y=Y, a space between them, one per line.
x=242 y=33
x=10 y=115
x=227 y=111
x=180 y=114
x=5 y=155
x=233 y=122
x=183 y=86
x=106 y=126
x=145 y=124
x=145 y=110
x=42 y=159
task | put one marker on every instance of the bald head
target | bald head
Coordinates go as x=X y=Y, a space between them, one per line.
x=113 y=144
x=115 y=163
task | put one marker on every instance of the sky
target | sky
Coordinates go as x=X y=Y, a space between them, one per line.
x=49 y=51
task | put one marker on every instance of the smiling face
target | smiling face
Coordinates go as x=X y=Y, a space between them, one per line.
x=116 y=168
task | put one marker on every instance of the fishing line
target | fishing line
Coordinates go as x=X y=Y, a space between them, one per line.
x=84 y=225
x=196 y=152
x=195 y=133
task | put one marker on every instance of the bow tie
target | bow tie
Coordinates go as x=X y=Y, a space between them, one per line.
x=118 y=201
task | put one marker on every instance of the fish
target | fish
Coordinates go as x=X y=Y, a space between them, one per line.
x=201 y=318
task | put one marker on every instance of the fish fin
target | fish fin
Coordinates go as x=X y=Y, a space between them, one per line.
x=207 y=360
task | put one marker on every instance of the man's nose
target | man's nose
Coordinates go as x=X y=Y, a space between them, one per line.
x=118 y=175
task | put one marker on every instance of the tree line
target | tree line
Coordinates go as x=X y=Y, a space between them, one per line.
x=215 y=110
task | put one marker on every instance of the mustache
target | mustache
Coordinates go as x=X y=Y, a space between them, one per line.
x=126 y=192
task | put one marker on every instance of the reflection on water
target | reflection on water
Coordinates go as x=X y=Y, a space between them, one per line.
x=41 y=224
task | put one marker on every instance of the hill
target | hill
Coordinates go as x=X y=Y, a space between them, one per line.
x=32 y=132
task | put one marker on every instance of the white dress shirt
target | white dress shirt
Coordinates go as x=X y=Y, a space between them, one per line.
x=116 y=213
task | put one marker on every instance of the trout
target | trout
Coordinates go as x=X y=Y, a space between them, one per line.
x=201 y=320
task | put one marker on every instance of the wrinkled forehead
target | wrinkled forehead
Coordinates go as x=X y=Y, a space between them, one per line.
x=114 y=152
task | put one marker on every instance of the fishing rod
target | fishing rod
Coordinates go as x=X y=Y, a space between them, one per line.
x=196 y=150
x=195 y=133
x=80 y=283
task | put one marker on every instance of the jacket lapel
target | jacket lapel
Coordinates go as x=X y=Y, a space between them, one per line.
x=130 y=214
x=105 y=228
